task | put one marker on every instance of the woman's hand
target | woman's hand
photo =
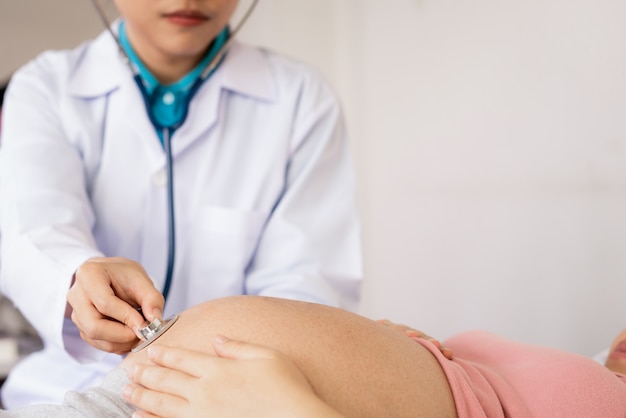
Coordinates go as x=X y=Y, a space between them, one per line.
x=103 y=302
x=415 y=334
x=243 y=380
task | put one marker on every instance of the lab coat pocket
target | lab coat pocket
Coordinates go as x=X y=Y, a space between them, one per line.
x=222 y=246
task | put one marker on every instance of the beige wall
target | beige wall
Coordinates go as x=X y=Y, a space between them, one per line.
x=490 y=142
x=28 y=27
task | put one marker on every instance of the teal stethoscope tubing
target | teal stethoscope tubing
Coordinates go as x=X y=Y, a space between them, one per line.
x=168 y=131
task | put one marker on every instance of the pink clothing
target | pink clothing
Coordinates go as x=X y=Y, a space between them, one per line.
x=494 y=377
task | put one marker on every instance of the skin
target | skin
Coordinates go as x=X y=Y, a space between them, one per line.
x=103 y=302
x=181 y=381
x=168 y=45
x=343 y=365
x=415 y=335
x=224 y=376
x=171 y=37
x=617 y=356
x=233 y=385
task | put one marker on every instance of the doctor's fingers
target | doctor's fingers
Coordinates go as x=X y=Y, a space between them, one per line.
x=106 y=334
x=92 y=304
x=110 y=347
x=128 y=280
x=120 y=348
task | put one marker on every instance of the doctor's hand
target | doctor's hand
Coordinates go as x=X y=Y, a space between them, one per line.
x=104 y=298
x=244 y=380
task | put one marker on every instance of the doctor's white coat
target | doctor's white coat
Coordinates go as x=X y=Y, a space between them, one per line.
x=264 y=194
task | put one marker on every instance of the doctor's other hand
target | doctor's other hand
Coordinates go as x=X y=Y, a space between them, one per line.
x=415 y=334
x=242 y=380
x=103 y=302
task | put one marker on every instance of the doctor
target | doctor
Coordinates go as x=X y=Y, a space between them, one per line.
x=263 y=187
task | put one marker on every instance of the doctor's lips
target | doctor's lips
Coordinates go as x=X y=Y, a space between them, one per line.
x=186 y=18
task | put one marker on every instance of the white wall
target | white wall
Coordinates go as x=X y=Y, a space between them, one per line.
x=490 y=143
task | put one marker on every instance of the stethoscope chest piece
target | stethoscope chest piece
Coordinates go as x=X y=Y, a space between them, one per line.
x=152 y=331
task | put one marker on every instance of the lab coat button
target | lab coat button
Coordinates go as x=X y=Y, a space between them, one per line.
x=160 y=178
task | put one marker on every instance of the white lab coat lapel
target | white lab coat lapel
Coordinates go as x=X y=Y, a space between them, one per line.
x=203 y=114
x=98 y=71
x=127 y=113
x=245 y=72
x=102 y=71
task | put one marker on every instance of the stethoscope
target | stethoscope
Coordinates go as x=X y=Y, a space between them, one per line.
x=168 y=131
